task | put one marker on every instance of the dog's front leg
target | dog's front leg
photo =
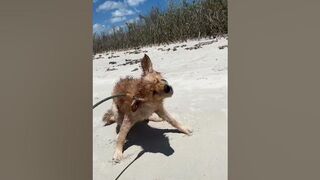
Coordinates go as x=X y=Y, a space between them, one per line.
x=124 y=129
x=167 y=117
x=155 y=118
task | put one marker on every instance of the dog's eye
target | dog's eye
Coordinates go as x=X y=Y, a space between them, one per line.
x=154 y=92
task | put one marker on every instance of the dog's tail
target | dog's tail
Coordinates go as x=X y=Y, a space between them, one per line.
x=106 y=99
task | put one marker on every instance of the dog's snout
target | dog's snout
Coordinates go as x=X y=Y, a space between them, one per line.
x=167 y=88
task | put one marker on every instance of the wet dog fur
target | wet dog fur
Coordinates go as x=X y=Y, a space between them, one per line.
x=145 y=97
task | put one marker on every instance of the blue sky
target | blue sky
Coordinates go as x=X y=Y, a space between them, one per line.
x=113 y=13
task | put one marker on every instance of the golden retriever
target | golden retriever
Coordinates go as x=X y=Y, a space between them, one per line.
x=144 y=96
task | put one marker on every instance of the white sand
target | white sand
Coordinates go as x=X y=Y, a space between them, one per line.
x=199 y=79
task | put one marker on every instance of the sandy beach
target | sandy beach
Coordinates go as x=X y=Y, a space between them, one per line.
x=198 y=72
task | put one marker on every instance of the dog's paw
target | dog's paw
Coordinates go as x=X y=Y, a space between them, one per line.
x=117 y=157
x=108 y=119
x=188 y=131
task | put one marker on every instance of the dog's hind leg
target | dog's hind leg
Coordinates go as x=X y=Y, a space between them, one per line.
x=111 y=116
x=108 y=118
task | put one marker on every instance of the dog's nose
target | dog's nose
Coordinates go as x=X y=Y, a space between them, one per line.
x=167 y=88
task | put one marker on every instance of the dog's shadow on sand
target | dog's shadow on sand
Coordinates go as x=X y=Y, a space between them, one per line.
x=151 y=140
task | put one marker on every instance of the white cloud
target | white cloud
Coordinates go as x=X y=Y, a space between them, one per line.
x=122 y=12
x=97 y=28
x=135 y=2
x=117 y=19
x=133 y=20
x=110 y=5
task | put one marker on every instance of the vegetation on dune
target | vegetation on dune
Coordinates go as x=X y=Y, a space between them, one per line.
x=181 y=21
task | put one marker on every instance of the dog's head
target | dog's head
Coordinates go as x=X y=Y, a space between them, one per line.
x=153 y=87
x=157 y=84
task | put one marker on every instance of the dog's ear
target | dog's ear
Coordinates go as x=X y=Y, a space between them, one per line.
x=146 y=64
x=135 y=105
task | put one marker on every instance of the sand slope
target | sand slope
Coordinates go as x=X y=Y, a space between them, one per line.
x=199 y=78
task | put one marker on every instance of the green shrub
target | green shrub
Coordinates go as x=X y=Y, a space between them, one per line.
x=181 y=21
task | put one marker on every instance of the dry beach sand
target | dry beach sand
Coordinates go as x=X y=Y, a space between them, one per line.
x=198 y=72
